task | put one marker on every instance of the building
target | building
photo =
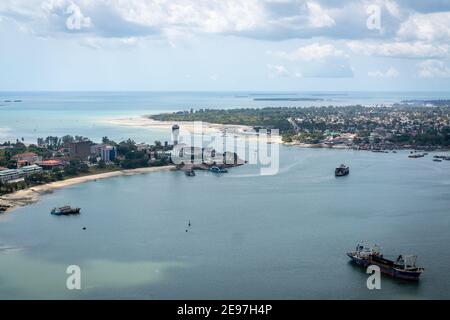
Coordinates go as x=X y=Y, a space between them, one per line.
x=108 y=153
x=10 y=175
x=26 y=158
x=16 y=175
x=51 y=164
x=175 y=134
x=80 y=149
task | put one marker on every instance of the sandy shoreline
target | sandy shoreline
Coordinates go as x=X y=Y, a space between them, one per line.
x=31 y=195
x=187 y=127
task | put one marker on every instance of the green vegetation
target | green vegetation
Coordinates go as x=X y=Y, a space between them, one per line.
x=371 y=127
x=129 y=156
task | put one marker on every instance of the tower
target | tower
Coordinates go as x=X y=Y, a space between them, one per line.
x=175 y=134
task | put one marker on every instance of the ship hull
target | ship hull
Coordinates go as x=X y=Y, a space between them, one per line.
x=388 y=270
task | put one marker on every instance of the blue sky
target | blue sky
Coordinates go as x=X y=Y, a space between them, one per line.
x=182 y=45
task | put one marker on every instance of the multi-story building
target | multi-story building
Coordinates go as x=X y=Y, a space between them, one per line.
x=13 y=175
x=80 y=149
x=108 y=153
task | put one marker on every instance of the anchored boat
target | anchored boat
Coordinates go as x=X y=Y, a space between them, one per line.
x=404 y=267
x=66 y=210
x=342 y=170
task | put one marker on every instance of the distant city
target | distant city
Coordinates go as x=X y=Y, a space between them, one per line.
x=402 y=126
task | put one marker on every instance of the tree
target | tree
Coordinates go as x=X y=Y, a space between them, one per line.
x=102 y=164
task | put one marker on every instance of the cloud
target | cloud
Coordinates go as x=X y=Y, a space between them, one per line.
x=312 y=52
x=390 y=73
x=426 y=27
x=410 y=50
x=434 y=69
x=274 y=20
x=318 y=17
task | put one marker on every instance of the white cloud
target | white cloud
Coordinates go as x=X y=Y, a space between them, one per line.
x=312 y=52
x=390 y=73
x=318 y=17
x=411 y=50
x=426 y=27
x=433 y=69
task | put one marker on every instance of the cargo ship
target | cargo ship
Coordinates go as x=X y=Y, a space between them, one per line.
x=342 y=170
x=404 y=267
x=66 y=210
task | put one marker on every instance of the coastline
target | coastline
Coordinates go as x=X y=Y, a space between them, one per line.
x=187 y=127
x=238 y=131
x=32 y=195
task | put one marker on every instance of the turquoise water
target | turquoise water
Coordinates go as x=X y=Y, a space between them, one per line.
x=48 y=113
x=252 y=236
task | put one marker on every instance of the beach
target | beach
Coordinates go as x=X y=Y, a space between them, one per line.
x=31 y=195
x=187 y=127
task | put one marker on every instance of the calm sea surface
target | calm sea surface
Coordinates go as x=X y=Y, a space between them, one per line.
x=282 y=236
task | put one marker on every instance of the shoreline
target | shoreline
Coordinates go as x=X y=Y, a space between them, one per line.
x=32 y=195
x=238 y=131
x=187 y=127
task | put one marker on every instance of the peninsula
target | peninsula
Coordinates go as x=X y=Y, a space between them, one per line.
x=401 y=126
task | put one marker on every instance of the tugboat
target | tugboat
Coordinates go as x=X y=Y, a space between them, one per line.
x=66 y=210
x=216 y=169
x=190 y=173
x=342 y=170
x=404 y=267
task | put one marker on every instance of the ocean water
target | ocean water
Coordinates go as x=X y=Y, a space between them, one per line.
x=81 y=113
x=281 y=237
x=260 y=237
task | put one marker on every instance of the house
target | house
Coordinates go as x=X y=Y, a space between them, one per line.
x=26 y=158
x=51 y=164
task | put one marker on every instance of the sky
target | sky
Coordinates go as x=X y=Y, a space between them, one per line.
x=224 y=45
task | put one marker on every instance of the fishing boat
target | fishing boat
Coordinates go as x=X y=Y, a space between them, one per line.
x=216 y=169
x=404 y=267
x=66 y=210
x=342 y=170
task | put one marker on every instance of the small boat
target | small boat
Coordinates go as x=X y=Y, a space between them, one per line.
x=437 y=160
x=415 y=156
x=66 y=210
x=342 y=170
x=190 y=173
x=404 y=267
x=216 y=169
